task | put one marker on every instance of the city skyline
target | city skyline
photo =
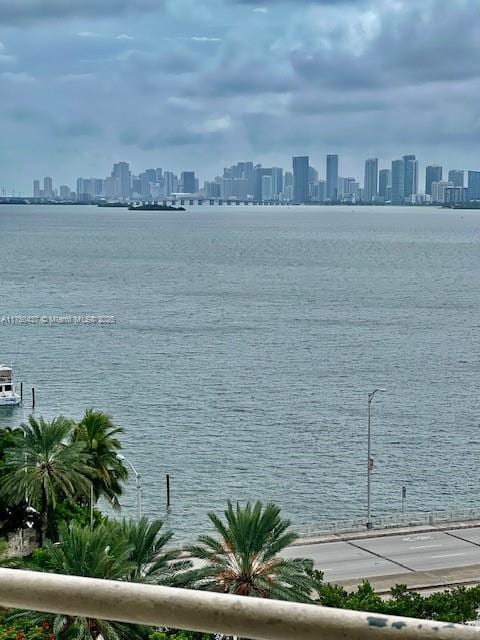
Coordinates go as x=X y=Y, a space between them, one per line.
x=202 y=83
x=303 y=183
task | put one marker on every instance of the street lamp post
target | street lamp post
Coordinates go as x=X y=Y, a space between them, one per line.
x=369 y=457
x=138 y=481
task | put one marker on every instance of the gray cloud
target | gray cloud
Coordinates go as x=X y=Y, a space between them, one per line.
x=76 y=128
x=405 y=50
x=22 y=11
x=213 y=82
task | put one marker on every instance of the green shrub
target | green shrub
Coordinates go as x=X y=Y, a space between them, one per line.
x=15 y=630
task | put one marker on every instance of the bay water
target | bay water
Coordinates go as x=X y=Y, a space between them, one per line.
x=244 y=343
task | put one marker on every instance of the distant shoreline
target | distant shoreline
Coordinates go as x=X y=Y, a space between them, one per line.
x=215 y=202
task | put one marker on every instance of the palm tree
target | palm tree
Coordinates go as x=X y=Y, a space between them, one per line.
x=245 y=560
x=44 y=467
x=99 y=434
x=152 y=562
x=81 y=551
x=12 y=514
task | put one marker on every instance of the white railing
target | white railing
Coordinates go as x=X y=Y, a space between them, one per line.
x=210 y=612
x=391 y=521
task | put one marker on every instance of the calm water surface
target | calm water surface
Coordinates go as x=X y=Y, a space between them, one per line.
x=246 y=340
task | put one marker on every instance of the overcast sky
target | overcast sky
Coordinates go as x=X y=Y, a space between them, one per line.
x=199 y=84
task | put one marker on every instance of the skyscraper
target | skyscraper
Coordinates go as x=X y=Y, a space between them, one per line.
x=410 y=170
x=147 y=178
x=277 y=182
x=258 y=173
x=47 y=188
x=332 y=177
x=398 y=181
x=474 y=185
x=371 y=180
x=457 y=176
x=64 y=192
x=121 y=172
x=300 y=179
x=433 y=173
x=187 y=179
x=226 y=191
x=170 y=183
x=267 y=190
x=36 y=189
x=246 y=173
x=384 y=184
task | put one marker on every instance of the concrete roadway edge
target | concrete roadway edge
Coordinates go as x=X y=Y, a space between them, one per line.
x=431 y=581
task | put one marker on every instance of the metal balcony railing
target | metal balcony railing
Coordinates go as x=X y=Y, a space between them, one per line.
x=210 y=612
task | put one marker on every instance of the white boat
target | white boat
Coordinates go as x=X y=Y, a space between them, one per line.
x=8 y=396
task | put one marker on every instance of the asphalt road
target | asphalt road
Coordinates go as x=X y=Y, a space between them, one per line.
x=393 y=554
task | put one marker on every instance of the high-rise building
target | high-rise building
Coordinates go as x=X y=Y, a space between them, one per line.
x=258 y=174
x=267 y=188
x=312 y=174
x=36 y=189
x=170 y=183
x=121 y=172
x=332 y=178
x=438 y=191
x=47 y=188
x=457 y=176
x=384 y=184
x=347 y=189
x=110 y=188
x=97 y=186
x=455 y=195
x=317 y=191
x=433 y=173
x=147 y=179
x=243 y=175
x=398 y=182
x=212 y=189
x=410 y=176
x=371 y=180
x=300 y=178
x=277 y=182
x=187 y=180
x=240 y=188
x=64 y=192
x=226 y=191
x=474 y=185
x=246 y=173
x=137 y=188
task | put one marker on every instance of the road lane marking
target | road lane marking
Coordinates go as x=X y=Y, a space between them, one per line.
x=426 y=546
x=448 y=555
x=417 y=538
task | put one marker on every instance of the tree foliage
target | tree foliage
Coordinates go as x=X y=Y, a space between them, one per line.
x=452 y=605
x=244 y=556
x=43 y=467
x=153 y=560
x=100 y=438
